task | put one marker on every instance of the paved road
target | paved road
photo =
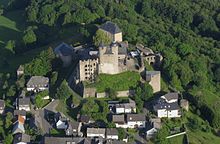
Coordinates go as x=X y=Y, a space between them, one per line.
x=39 y=114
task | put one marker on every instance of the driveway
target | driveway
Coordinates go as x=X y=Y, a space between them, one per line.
x=40 y=120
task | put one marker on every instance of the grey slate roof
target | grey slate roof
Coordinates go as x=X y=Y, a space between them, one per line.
x=63 y=49
x=111 y=131
x=96 y=130
x=2 y=104
x=118 y=118
x=110 y=27
x=20 y=112
x=24 y=101
x=21 y=138
x=170 y=96
x=66 y=140
x=136 y=117
x=162 y=104
x=39 y=81
x=20 y=68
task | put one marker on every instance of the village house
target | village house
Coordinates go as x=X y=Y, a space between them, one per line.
x=153 y=126
x=119 y=121
x=2 y=106
x=21 y=138
x=62 y=123
x=125 y=107
x=19 y=125
x=167 y=106
x=20 y=71
x=111 y=133
x=24 y=104
x=112 y=30
x=66 y=140
x=96 y=132
x=65 y=53
x=136 y=120
x=38 y=83
x=129 y=121
x=20 y=113
x=74 y=129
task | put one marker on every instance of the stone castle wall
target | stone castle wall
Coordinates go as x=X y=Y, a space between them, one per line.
x=88 y=69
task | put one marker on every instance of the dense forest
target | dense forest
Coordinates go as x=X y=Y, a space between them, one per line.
x=186 y=32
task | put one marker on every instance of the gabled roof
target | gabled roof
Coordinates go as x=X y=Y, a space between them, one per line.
x=111 y=131
x=64 y=49
x=95 y=131
x=118 y=118
x=21 y=138
x=66 y=140
x=24 y=101
x=38 y=81
x=171 y=96
x=20 y=68
x=19 y=112
x=162 y=104
x=135 y=117
x=18 y=128
x=21 y=120
x=110 y=27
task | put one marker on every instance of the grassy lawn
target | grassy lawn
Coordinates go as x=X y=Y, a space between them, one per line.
x=177 y=140
x=12 y=26
x=40 y=102
x=56 y=132
x=118 y=82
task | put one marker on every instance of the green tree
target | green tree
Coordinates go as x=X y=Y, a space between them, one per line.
x=161 y=136
x=10 y=45
x=111 y=93
x=11 y=91
x=89 y=107
x=147 y=92
x=29 y=37
x=8 y=120
x=101 y=38
x=121 y=133
x=63 y=91
x=8 y=139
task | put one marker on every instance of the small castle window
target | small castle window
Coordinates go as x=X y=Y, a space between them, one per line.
x=86 y=78
x=85 y=69
x=86 y=65
x=94 y=64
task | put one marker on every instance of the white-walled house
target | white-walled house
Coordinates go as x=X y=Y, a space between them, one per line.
x=167 y=106
x=153 y=126
x=111 y=133
x=61 y=123
x=125 y=107
x=38 y=83
x=136 y=120
x=130 y=121
x=24 y=104
x=96 y=132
